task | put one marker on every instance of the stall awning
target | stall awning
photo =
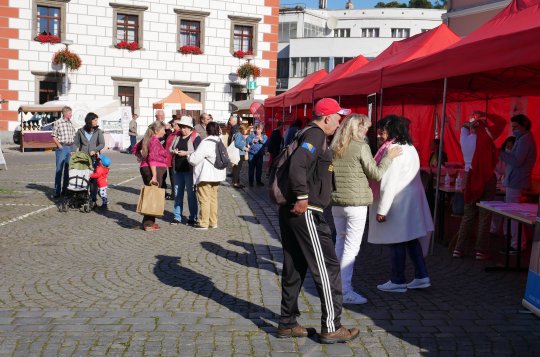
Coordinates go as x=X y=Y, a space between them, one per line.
x=242 y=106
x=40 y=108
x=178 y=100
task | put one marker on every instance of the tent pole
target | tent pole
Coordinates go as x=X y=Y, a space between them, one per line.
x=339 y=99
x=436 y=212
x=380 y=107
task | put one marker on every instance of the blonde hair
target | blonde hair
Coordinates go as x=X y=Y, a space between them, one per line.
x=151 y=131
x=353 y=127
x=244 y=129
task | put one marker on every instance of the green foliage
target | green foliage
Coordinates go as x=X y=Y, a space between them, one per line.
x=391 y=4
x=420 y=4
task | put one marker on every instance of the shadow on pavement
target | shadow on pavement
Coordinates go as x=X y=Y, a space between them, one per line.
x=247 y=259
x=47 y=190
x=169 y=271
x=121 y=219
x=127 y=189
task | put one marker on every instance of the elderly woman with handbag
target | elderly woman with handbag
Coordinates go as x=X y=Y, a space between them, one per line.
x=240 y=141
x=207 y=177
x=153 y=163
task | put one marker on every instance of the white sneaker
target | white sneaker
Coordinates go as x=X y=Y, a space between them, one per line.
x=395 y=288
x=419 y=283
x=353 y=298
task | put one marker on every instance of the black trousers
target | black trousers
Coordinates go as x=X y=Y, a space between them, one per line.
x=307 y=244
x=146 y=174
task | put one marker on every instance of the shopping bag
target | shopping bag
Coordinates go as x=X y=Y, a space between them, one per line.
x=151 y=201
x=234 y=153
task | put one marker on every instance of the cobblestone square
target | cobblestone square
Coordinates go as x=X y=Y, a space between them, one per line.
x=95 y=284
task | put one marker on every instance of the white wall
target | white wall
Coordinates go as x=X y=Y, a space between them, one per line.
x=90 y=27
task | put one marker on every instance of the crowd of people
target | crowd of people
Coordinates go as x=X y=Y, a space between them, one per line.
x=332 y=166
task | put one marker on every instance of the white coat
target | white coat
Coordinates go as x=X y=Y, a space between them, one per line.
x=203 y=160
x=403 y=201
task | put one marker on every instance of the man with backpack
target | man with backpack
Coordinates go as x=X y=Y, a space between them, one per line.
x=305 y=235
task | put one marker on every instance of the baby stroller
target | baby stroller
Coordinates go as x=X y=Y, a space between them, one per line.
x=78 y=190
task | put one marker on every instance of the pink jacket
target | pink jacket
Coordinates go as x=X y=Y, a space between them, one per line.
x=157 y=155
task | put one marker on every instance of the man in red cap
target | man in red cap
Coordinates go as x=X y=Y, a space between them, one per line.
x=305 y=235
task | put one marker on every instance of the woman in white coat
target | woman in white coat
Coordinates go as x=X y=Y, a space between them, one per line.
x=400 y=216
x=207 y=178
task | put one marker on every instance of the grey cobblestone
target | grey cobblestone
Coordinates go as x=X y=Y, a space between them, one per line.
x=95 y=284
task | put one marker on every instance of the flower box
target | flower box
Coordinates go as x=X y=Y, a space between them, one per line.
x=43 y=38
x=193 y=50
x=242 y=54
x=69 y=59
x=248 y=69
x=130 y=46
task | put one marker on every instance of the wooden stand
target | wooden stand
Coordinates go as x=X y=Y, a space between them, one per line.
x=37 y=140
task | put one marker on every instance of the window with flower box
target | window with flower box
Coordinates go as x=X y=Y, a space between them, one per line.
x=128 y=26
x=244 y=32
x=190 y=36
x=49 y=20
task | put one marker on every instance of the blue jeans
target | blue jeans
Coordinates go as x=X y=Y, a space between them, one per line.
x=255 y=168
x=183 y=181
x=132 y=142
x=62 y=168
x=398 y=256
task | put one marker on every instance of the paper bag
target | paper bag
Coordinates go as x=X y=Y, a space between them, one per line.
x=151 y=201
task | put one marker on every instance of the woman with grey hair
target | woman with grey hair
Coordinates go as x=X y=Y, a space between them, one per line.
x=353 y=166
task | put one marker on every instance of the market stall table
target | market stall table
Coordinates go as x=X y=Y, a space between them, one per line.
x=37 y=140
x=523 y=213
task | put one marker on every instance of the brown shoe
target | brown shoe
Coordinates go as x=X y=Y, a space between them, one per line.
x=296 y=331
x=342 y=334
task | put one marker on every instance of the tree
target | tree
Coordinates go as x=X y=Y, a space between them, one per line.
x=390 y=4
x=443 y=4
x=420 y=4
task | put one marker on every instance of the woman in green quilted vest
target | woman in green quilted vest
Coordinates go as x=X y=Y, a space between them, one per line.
x=353 y=166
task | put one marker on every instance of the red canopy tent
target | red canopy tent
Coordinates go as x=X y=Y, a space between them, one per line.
x=294 y=95
x=339 y=71
x=368 y=78
x=502 y=57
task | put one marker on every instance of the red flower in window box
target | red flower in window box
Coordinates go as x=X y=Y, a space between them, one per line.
x=242 y=54
x=130 y=46
x=44 y=38
x=186 y=50
x=69 y=59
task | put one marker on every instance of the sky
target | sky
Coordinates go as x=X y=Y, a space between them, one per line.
x=333 y=4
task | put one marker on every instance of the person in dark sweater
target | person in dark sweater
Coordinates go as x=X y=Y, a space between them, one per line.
x=305 y=235
x=275 y=143
x=184 y=144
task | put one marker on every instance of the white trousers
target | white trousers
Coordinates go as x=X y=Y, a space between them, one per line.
x=350 y=223
x=512 y=196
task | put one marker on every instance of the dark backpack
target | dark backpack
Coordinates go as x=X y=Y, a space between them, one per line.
x=222 y=157
x=278 y=181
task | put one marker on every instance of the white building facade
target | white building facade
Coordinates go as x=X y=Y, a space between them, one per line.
x=314 y=39
x=139 y=77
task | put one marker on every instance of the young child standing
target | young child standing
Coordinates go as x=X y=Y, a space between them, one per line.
x=100 y=174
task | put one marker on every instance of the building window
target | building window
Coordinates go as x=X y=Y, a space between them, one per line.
x=190 y=33
x=48 y=90
x=342 y=33
x=128 y=23
x=283 y=68
x=370 y=32
x=49 y=18
x=311 y=30
x=127 y=97
x=287 y=30
x=243 y=38
x=127 y=90
x=400 y=33
x=244 y=32
x=191 y=26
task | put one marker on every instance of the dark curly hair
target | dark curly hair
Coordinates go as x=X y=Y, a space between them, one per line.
x=212 y=129
x=88 y=122
x=397 y=128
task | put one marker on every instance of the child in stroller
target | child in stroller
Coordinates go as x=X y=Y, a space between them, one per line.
x=78 y=195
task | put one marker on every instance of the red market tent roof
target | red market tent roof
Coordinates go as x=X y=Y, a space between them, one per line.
x=295 y=94
x=339 y=71
x=502 y=57
x=368 y=78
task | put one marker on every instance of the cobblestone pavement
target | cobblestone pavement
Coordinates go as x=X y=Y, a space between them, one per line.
x=76 y=284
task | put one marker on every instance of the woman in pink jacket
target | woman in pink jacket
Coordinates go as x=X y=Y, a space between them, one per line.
x=152 y=157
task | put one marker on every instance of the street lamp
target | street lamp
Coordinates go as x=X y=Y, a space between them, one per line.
x=250 y=80
x=65 y=89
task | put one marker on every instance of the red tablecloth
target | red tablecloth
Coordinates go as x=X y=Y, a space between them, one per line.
x=38 y=136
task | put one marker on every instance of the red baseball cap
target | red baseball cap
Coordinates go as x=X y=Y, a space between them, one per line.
x=329 y=106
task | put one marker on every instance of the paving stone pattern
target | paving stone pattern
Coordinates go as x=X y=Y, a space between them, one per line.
x=94 y=284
